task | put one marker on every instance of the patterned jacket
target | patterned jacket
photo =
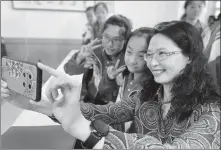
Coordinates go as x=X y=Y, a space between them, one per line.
x=150 y=131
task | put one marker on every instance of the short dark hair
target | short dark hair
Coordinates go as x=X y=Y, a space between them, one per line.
x=121 y=21
x=89 y=8
x=104 y=5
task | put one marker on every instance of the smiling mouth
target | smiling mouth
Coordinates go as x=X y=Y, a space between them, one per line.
x=110 y=50
x=158 y=72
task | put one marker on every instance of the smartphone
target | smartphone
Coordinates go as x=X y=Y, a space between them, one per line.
x=22 y=77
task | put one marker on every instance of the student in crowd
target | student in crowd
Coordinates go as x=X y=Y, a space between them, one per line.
x=101 y=13
x=136 y=73
x=93 y=60
x=193 y=11
x=88 y=35
x=179 y=107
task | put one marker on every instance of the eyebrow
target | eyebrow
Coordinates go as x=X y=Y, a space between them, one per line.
x=130 y=47
x=143 y=51
x=117 y=37
x=157 y=49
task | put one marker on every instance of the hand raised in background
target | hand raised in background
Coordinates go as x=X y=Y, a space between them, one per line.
x=85 y=54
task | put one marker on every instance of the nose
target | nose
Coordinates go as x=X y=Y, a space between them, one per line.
x=133 y=60
x=110 y=43
x=153 y=62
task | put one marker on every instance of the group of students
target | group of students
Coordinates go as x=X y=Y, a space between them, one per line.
x=96 y=16
x=150 y=88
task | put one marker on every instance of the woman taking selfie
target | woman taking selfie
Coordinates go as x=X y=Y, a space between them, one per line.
x=179 y=108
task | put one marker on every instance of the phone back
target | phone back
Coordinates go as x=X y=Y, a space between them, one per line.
x=22 y=77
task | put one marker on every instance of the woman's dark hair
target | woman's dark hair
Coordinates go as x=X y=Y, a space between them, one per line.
x=194 y=85
x=104 y=5
x=186 y=4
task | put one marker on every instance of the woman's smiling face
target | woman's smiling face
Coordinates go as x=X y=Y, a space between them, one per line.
x=165 y=59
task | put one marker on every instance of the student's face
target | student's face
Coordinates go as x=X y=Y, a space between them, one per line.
x=194 y=9
x=112 y=39
x=101 y=14
x=134 y=55
x=90 y=16
x=163 y=66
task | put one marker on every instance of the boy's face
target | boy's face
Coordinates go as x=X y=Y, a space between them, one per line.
x=134 y=56
x=113 y=39
x=90 y=16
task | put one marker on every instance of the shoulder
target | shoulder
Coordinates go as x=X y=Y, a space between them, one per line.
x=208 y=109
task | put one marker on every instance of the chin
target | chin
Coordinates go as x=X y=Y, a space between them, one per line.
x=133 y=70
x=160 y=80
x=109 y=53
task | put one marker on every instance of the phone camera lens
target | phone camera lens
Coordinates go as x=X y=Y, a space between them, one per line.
x=24 y=84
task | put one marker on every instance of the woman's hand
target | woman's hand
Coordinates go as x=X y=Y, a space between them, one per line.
x=43 y=106
x=114 y=71
x=67 y=109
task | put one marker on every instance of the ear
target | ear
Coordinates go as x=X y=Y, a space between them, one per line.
x=188 y=60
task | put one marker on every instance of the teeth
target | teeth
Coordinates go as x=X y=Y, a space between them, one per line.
x=159 y=71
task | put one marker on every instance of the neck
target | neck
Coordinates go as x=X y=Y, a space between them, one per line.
x=191 y=20
x=112 y=57
x=166 y=93
x=100 y=23
x=138 y=76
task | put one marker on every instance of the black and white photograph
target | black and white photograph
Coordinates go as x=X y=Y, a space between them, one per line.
x=110 y=74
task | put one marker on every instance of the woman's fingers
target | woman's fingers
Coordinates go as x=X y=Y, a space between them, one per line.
x=3 y=84
x=49 y=70
x=48 y=94
x=5 y=95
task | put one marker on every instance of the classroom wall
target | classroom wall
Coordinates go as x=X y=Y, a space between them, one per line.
x=40 y=24
x=147 y=13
